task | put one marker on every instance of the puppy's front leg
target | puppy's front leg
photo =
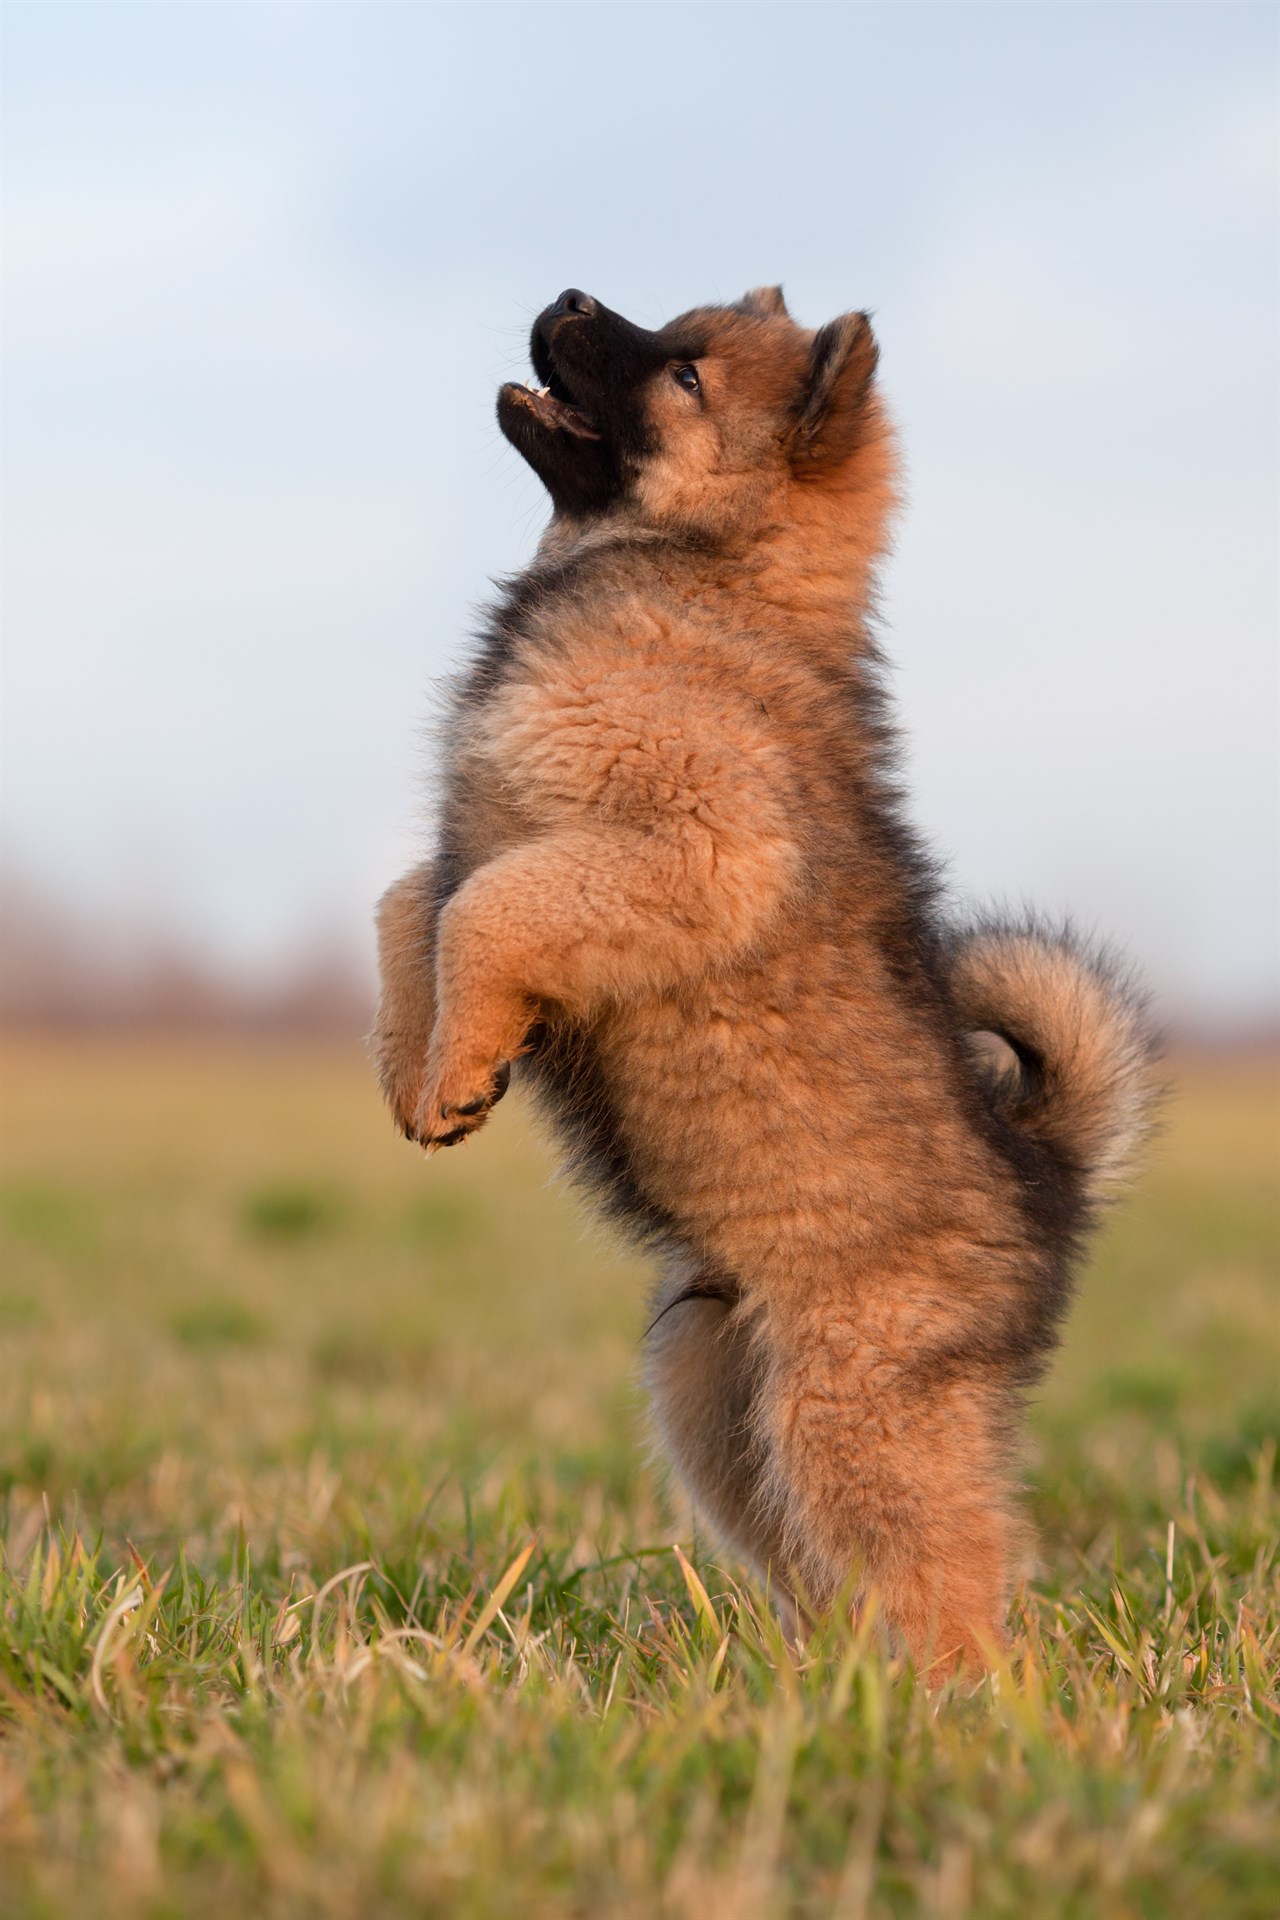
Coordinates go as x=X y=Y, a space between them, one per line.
x=580 y=918
x=406 y=1000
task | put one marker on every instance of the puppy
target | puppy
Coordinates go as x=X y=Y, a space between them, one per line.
x=674 y=892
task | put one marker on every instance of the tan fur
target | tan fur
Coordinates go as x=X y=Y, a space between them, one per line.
x=657 y=848
x=406 y=1006
x=1094 y=1044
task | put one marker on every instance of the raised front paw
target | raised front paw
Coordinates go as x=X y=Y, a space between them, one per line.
x=457 y=1102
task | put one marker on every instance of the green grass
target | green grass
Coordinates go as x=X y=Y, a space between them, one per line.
x=338 y=1580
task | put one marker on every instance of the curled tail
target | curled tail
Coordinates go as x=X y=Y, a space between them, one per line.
x=1087 y=1084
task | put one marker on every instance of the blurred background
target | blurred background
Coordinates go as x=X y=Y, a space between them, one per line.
x=265 y=266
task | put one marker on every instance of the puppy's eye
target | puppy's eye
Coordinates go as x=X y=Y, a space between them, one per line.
x=686 y=377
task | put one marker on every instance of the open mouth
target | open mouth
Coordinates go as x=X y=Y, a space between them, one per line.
x=555 y=407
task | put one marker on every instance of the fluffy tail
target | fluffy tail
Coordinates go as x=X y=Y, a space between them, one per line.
x=1087 y=1085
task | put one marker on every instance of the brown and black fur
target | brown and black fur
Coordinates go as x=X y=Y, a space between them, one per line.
x=675 y=889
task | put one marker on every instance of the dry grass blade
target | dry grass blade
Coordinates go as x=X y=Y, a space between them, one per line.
x=484 y=1619
x=130 y=1600
x=699 y=1595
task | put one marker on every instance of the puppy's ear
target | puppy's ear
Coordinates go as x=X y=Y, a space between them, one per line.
x=832 y=408
x=767 y=302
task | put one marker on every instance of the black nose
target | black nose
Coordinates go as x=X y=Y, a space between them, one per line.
x=572 y=300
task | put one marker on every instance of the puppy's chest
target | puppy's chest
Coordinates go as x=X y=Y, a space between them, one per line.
x=629 y=742
x=667 y=733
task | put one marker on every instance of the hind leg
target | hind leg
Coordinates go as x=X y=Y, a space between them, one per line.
x=885 y=1470
x=702 y=1379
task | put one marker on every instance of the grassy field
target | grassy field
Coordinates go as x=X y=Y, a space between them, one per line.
x=338 y=1580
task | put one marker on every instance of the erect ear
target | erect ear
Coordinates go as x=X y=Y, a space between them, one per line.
x=831 y=412
x=765 y=301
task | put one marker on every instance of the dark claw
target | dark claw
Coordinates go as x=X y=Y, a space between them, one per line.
x=451 y=1139
x=501 y=1081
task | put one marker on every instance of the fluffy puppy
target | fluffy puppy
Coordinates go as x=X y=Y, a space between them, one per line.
x=674 y=891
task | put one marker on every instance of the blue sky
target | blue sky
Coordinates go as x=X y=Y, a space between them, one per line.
x=266 y=264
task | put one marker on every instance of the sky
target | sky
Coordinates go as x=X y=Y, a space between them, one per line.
x=266 y=264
